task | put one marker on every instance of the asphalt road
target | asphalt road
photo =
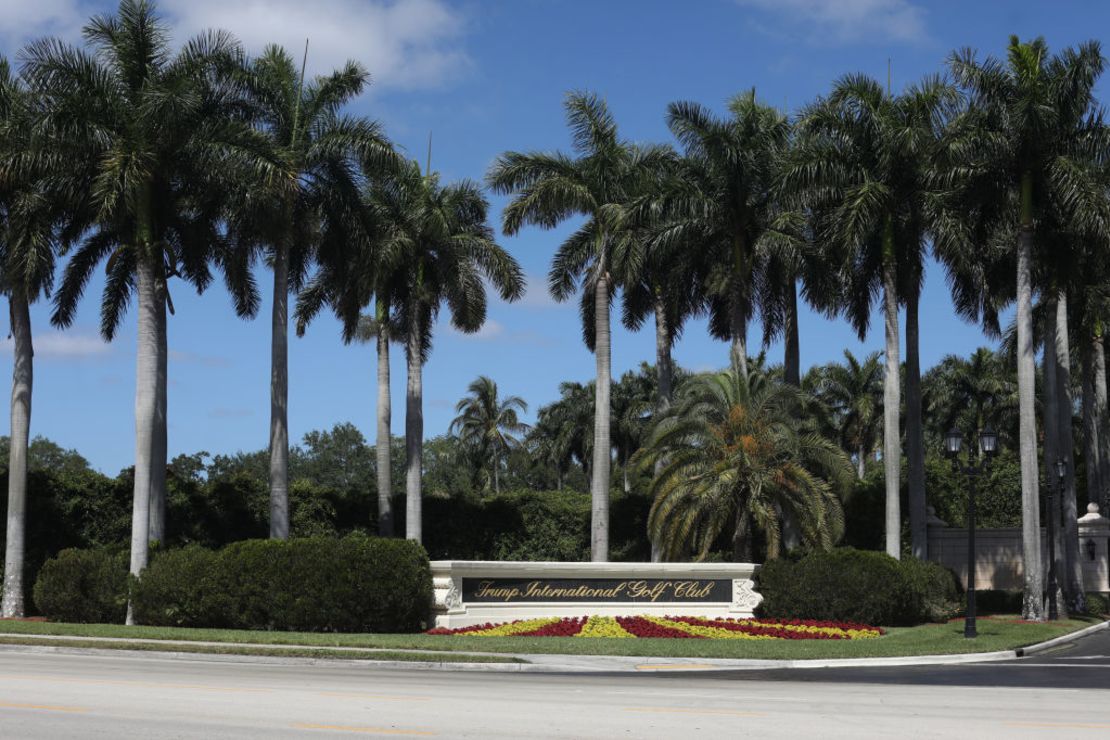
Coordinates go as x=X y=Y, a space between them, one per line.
x=1063 y=694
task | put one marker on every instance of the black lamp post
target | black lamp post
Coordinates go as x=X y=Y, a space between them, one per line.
x=1050 y=527
x=976 y=463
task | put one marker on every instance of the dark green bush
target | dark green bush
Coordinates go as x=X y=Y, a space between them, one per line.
x=994 y=601
x=843 y=584
x=87 y=586
x=179 y=589
x=941 y=592
x=354 y=584
x=1097 y=604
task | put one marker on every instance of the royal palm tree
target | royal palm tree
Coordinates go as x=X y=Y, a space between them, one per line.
x=862 y=161
x=148 y=139
x=449 y=252
x=972 y=393
x=29 y=241
x=489 y=424
x=1013 y=160
x=852 y=392
x=722 y=204
x=736 y=454
x=314 y=198
x=601 y=179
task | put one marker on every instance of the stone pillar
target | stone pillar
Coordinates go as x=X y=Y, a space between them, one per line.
x=1094 y=539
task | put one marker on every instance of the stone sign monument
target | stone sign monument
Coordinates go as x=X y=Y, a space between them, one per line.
x=469 y=592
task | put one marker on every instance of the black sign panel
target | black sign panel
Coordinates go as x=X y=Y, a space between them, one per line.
x=623 y=590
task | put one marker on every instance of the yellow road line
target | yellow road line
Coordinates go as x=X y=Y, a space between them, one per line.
x=380 y=697
x=1064 y=725
x=693 y=710
x=42 y=707
x=363 y=730
x=674 y=666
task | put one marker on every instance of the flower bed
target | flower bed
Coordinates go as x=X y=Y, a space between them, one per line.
x=682 y=627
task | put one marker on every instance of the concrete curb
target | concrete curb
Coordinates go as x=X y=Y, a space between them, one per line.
x=1040 y=647
x=535 y=662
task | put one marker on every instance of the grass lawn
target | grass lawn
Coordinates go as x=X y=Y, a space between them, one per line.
x=995 y=633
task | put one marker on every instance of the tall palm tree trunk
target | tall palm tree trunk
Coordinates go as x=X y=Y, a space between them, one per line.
x=738 y=319
x=664 y=371
x=1102 y=420
x=792 y=355
x=384 y=445
x=148 y=384
x=1073 y=576
x=279 y=399
x=1032 y=602
x=892 y=442
x=22 y=381
x=599 y=486
x=1091 y=449
x=414 y=430
x=861 y=463
x=161 y=442
x=1051 y=445
x=915 y=435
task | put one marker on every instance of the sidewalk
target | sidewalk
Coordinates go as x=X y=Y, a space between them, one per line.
x=531 y=662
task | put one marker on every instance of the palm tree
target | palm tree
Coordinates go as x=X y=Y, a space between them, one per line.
x=28 y=250
x=736 y=454
x=447 y=246
x=852 y=393
x=489 y=424
x=144 y=141
x=314 y=198
x=863 y=159
x=722 y=205
x=973 y=393
x=602 y=178
x=1013 y=156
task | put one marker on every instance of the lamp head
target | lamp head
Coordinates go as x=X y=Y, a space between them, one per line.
x=988 y=442
x=1061 y=469
x=952 y=442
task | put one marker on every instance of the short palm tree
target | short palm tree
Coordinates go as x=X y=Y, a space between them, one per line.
x=852 y=392
x=736 y=455
x=972 y=393
x=489 y=424
x=314 y=198
x=599 y=181
x=143 y=140
x=1012 y=159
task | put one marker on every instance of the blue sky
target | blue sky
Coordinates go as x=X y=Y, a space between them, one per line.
x=485 y=77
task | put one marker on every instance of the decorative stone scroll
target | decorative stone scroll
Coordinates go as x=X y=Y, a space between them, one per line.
x=468 y=592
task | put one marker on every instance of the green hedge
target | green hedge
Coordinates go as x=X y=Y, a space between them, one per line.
x=87 y=586
x=316 y=584
x=857 y=586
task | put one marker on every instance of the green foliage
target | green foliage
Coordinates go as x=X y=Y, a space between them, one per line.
x=1098 y=604
x=995 y=601
x=315 y=584
x=855 y=586
x=941 y=592
x=88 y=586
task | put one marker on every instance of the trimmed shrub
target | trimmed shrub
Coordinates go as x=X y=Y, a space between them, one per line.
x=316 y=584
x=1097 y=604
x=940 y=591
x=995 y=601
x=841 y=585
x=179 y=589
x=88 y=586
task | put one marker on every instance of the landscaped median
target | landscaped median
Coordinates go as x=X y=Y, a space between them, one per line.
x=995 y=633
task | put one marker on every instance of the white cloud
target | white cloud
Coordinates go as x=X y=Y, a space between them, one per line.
x=404 y=43
x=848 y=20
x=24 y=20
x=490 y=331
x=62 y=345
